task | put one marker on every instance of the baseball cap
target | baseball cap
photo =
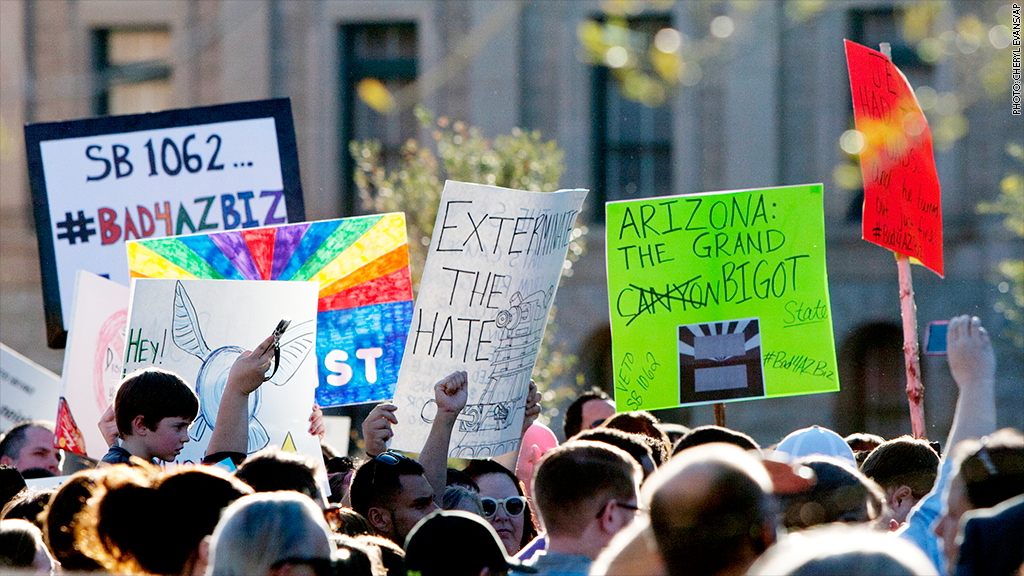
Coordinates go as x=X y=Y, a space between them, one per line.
x=453 y=542
x=816 y=440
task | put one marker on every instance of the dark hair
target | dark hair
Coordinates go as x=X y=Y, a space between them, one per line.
x=347 y=521
x=572 y=422
x=673 y=431
x=994 y=470
x=108 y=529
x=646 y=424
x=477 y=468
x=13 y=440
x=391 y=554
x=863 y=442
x=59 y=521
x=154 y=394
x=28 y=505
x=711 y=433
x=18 y=543
x=842 y=494
x=376 y=484
x=903 y=461
x=633 y=444
x=457 y=477
x=11 y=482
x=270 y=470
x=572 y=480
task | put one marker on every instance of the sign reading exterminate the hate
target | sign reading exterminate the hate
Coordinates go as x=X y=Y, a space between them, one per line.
x=492 y=269
x=902 y=204
x=99 y=182
x=719 y=297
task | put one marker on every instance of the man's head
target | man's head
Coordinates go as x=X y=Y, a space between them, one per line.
x=154 y=408
x=474 y=543
x=392 y=493
x=633 y=444
x=30 y=445
x=711 y=510
x=270 y=470
x=711 y=433
x=986 y=473
x=905 y=468
x=585 y=492
x=587 y=411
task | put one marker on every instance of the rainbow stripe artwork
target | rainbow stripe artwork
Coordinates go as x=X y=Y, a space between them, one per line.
x=365 y=305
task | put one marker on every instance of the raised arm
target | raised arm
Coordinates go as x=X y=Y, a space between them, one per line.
x=450 y=394
x=972 y=362
x=231 y=434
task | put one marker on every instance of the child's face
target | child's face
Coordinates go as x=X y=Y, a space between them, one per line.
x=167 y=440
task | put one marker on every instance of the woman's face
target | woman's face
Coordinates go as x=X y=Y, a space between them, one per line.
x=509 y=528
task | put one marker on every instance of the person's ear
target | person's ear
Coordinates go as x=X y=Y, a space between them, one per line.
x=901 y=497
x=606 y=519
x=7 y=461
x=202 y=556
x=380 y=519
x=139 y=427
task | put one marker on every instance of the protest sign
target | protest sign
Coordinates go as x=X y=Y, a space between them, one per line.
x=94 y=354
x=99 y=182
x=362 y=265
x=719 y=297
x=902 y=204
x=27 y=390
x=492 y=269
x=198 y=328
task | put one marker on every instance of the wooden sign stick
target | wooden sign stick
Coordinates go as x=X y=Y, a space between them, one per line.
x=908 y=310
x=720 y=414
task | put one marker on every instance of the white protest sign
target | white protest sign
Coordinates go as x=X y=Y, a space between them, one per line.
x=495 y=259
x=27 y=390
x=99 y=182
x=198 y=328
x=94 y=354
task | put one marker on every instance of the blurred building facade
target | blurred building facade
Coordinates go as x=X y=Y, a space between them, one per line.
x=765 y=107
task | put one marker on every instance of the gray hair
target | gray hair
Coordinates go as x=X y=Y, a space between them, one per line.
x=262 y=529
x=462 y=498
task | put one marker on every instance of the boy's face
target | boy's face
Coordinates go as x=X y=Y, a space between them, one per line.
x=167 y=440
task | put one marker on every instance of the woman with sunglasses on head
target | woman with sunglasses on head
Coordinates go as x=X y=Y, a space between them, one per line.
x=504 y=503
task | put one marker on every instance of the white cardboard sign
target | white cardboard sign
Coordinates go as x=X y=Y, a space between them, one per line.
x=27 y=390
x=198 y=328
x=495 y=259
x=94 y=354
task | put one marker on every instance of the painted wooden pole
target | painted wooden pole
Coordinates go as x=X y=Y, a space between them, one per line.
x=908 y=310
x=720 y=414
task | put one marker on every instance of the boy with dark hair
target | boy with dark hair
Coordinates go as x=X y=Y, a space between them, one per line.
x=153 y=409
x=905 y=468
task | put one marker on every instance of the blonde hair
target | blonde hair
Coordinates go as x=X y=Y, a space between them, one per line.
x=260 y=530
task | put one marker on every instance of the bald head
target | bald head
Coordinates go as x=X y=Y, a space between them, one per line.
x=712 y=511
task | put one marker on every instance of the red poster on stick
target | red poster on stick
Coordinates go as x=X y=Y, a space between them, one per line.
x=902 y=207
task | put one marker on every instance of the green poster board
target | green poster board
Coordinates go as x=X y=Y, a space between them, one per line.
x=719 y=297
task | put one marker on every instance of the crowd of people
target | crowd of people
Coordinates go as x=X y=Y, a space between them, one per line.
x=625 y=494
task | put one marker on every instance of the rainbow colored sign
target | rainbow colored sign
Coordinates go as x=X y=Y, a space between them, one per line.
x=365 y=305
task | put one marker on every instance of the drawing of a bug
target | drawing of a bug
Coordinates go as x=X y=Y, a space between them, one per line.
x=213 y=375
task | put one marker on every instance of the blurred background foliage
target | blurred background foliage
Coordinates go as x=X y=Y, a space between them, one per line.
x=970 y=38
x=521 y=160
